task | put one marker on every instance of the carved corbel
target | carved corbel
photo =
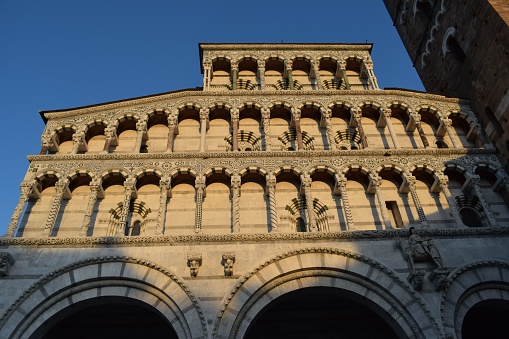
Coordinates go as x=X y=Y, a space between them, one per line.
x=6 y=262
x=228 y=262
x=416 y=278
x=194 y=262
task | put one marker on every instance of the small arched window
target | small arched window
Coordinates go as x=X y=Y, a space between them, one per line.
x=136 y=229
x=471 y=217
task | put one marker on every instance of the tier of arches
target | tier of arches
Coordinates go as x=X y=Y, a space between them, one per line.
x=255 y=200
x=356 y=278
x=251 y=127
x=298 y=73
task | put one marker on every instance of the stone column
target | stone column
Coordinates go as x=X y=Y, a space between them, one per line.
x=203 y=130
x=261 y=73
x=266 y=129
x=298 y=130
x=207 y=75
x=415 y=122
x=316 y=70
x=164 y=189
x=95 y=189
x=386 y=117
x=141 y=131
x=342 y=70
x=356 y=120
x=341 y=186
x=476 y=129
x=446 y=127
x=234 y=112
x=409 y=186
x=47 y=143
x=78 y=139
x=61 y=188
x=368 y=66
x=473 y=183
x=235 y=75
x=200 y=193
x=326 y=116
x=306 y=187
x=442 y=183
x=26 y=190
x=129 y=189
x=288 y=68
x=172 y=122
x=271 y=192
x=235 y=183
x=109 y=133
x=374 y=185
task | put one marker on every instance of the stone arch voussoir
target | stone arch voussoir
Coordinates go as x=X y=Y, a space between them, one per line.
x=325 y=267
x=102 y=277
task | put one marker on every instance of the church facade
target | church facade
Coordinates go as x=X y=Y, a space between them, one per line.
x=289 y=196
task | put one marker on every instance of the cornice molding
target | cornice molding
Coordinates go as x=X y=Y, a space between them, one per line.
x=260 y=237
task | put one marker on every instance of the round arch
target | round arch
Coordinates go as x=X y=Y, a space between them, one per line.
x=126 y=277
x=469 y=285
x=326 y=267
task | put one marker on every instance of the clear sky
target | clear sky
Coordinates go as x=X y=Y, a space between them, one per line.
x=57 y=54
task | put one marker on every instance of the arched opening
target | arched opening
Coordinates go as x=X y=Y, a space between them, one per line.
x=186 y=140
x=63 y=137
x=248 y=69
x=301 y=69
x=221 y=72
x=219 y=129
x=321 y=312
x=107 y=317
x=487 y=319
x=157 y=133
x=95 y=137
x=127 y=134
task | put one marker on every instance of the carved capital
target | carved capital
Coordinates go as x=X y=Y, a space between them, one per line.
x=141 y=126
x=236 y=181
x=200 y=182
x=387 y=113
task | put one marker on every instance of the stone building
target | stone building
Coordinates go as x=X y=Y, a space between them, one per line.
x=460 y=49
x=288 y=197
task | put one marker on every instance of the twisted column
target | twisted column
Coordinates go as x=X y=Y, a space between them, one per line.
x=26 y=190
x=368 y=66
x=92 y=199
x=200 y=192
x=172 y=121
x=60 y=188
x=266 y=128
x=447 y=125
x=306 y=185
x=410 y=182
x=235 y=183
x=326 y=116
x=271 y=192
x=356 y=119
x=387 y=117
x=474 y=183
x=443 y=183
x=416 y=118
x=235 y=129
x=128 y=192
x=298 y=129
x=341 y=185
x=164 y=187
x=375 y=183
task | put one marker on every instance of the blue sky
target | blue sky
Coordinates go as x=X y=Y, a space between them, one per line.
x=57 y=54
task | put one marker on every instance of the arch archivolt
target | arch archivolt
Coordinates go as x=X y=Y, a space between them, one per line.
x=253 y=169
x=125 y=277
x=469 y=285
x=325 y=267
x=39 y=176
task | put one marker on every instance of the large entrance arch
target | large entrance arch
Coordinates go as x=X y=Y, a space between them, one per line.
x=108 y=318
x=487 y=319
x=135 y=282
x=322 y=312
x=360 y=279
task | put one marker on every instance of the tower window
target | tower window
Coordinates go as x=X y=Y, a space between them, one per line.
x=471 y=217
